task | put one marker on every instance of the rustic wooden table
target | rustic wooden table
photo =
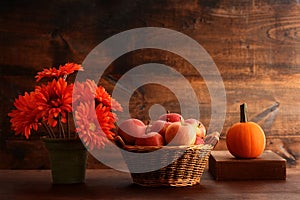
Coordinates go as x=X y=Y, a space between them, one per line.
x=111 y=184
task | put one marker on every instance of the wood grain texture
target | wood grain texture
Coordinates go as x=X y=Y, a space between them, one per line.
x=255 y=45
x=112 y=184
x=267 y=166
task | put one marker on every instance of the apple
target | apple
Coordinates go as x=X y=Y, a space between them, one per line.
x=160 y=126
x=199 y=140
x=200 y=129
x=179 y=133
x=171 y=117
x=131 y=129
x=150 y=139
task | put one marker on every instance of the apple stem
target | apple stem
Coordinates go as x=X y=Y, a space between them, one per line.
x=146 y=130
x=182 y=121
x=243 y=113
x=167 y=119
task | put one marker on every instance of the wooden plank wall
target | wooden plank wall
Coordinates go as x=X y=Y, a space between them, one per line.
x=255 y=45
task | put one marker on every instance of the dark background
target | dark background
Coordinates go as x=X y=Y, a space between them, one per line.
x=255 y=45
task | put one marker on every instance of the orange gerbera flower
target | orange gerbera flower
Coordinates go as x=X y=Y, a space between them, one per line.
x=47 y=73
x=50 y=104
x=103 y=97
x=88 y=127
x=83 y=92
x=25 y=117
x=54 y=100
x=89 y=90
x=63 y=70
x=69 y=68
x=106 y=120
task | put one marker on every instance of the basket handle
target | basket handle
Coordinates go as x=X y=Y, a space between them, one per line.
x=119 y=142
x=212 y=138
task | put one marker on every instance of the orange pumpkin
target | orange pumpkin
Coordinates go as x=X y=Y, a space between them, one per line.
x=245 y=139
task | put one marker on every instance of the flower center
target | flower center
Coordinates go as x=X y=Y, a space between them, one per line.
x=92 y=126
x=55 y=102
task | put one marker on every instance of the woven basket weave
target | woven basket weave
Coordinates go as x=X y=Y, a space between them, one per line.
x=186 y=167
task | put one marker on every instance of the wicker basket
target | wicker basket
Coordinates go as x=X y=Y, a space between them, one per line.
x=184 y=165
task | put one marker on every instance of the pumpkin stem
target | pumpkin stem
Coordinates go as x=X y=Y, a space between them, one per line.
x=243 y=113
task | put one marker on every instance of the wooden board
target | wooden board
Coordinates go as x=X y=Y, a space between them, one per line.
x=223 y=166
x=255 y=45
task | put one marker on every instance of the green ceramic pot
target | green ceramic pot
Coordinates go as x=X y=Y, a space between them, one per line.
x=68 y=159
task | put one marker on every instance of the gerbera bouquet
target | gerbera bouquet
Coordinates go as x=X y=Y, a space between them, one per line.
x=57 y=105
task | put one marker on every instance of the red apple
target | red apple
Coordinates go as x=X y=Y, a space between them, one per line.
x=131 y=129
x=171 y=117
x=200 y=129
x=199 y=140
x=150 y=139
x=160 y=126
x=180 y=134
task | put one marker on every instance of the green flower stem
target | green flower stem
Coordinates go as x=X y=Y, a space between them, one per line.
x=61 y=128
x=68 y=126
x=49 y=130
